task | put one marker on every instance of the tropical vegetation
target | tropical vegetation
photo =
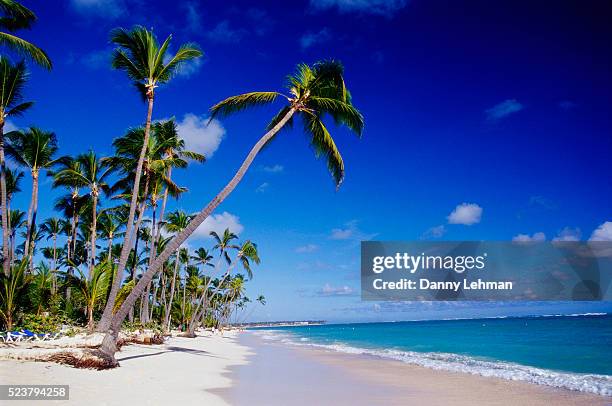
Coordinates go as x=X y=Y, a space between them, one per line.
x=114 y=253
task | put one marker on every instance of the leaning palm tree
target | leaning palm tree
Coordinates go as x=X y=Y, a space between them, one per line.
x=315 y=91
x=17 y=17
x=33 y=149
x=13 y=78
x=147 y=64
x=91 y=174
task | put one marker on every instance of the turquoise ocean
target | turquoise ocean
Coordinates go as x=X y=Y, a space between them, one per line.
x=569 y=351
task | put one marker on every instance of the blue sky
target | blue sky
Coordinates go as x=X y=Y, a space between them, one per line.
x=482 y=122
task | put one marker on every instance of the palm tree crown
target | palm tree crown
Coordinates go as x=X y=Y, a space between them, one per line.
x=17 y=17
x=315 y=92
x=33 y=149
x=13 y=78
x=145 y=61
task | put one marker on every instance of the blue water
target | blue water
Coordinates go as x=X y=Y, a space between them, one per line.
x=573 y=352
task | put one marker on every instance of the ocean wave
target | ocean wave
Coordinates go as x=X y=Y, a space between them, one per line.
x=591 y=383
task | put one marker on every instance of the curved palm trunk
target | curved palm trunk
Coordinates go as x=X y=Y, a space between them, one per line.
x=6 y=265
x=94 y=220
x=109 y=346
x=107 y=315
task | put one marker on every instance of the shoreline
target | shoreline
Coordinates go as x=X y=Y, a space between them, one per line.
x=292 y=373
x=241 y=368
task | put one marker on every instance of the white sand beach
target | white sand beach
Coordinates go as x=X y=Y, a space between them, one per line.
x=181 y=371
x=243 y=369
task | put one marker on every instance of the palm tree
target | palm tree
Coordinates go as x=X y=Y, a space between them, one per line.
x=13 y=79
x=10 y=291
x=17 y=17
x=92 y=174
x=246 y=253
x=109 y=230
x=147 y=64
x=73 y=204
x=315 y=92
x=176 y=222
x=33 y=149
x=223 y=244
x=202 y=257
x=13 y=179
x=171 y=146
x=16 y=221
x=52 y=227
x=92 y=288
x=42 y=288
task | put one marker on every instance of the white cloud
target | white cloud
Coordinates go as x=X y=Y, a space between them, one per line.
x=262 y=188
x=200 y=135
x=273 y=169
x=307 y=248
x=218 y=223
x=329 y=290
x=434 y=232
x=312 y=38
x=222 y=32
x=466 y=214
x=503 y=109
x=9 y=126
x=97 y=59
x=379 y=7
x=350 y=231
x=193 y=17
x=603 y=232
x=188 y=68
x=568 y=234
x=526 y=237
x=101 y=8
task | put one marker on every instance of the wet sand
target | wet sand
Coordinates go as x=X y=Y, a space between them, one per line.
x=281 y=374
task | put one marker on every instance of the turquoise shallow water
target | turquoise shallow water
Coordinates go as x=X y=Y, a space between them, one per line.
x=574 y=352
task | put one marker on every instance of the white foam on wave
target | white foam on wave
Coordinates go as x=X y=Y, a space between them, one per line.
x=591 y=383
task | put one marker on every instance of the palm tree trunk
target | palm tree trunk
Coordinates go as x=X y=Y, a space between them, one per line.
x=94 y=220
x=110 y=249
x=31 y=212
x=166 y=324
x=54 y=263
x=6 y=265
x=107 y=315
x=159 y=223
x=109 y=346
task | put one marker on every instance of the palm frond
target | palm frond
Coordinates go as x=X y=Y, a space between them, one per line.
x=324 y=146
x=26 y=48
x=342 y=113
x=241 y=102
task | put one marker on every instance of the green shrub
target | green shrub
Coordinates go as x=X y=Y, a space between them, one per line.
x=40 y=324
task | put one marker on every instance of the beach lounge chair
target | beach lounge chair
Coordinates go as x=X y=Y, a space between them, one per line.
x=15 y=337
x=40 y=337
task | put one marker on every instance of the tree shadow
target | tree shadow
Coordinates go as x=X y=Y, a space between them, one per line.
x=168 y=350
